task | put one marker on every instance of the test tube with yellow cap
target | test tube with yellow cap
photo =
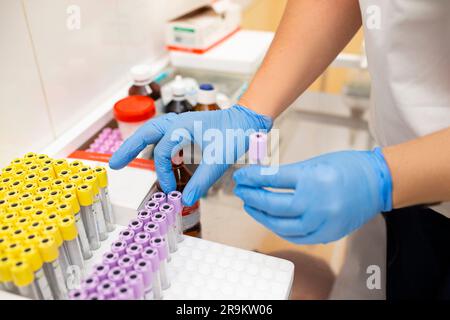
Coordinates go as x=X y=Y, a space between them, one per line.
x=16 y=185
x=30 y=155
x=38 y=201
x=75 y=166
x=54 y=194
x=85 y=170
x=64 y=174
x=97 y=206
x=71 y=242
x=30 y=187
x=52 y=230
x=86 y=197
x=42 y=191
x=31 y=255
x=102 y=177
x=17 y=163
x=26 y=198
x=60 y=165
x=49 y=253
x=5 y=274
x=41 y=158
x=71 y=207
x=23 y=278
x=7 y=171
x=57 y=184
x=45 y=181
x=32 y=177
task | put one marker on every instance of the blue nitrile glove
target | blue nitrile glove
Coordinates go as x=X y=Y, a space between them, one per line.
x=163 y=132
x=327 y=197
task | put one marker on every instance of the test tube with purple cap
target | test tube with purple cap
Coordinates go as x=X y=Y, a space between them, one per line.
x=169 y=211
x=151 y=254
x=145 y=268
x=159 y=244
x=136 y=281
x=174 y=198
x=161 y=219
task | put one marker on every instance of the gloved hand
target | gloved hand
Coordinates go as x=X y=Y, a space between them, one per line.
x=164 y=131
x=327 y=197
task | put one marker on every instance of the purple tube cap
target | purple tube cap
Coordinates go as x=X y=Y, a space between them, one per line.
x=117 y=275
x=169 y=210
x=124 y=292
x=78 y=294
x=174 y=198
x=142 y=238
x=153 y=229
x=101 y=271
x=110 y=259
x=159 y=197
x=144 y=216
x=152 y=206
x=145 y=268
x=160 y=244
x=119 y=247
x=126 y=262
x=96 y=296
x=106 y=288
x=136 y=225
x=136 y=281
x=151 y=254
x=127 y=235
x=135 y=250
x=161 y=219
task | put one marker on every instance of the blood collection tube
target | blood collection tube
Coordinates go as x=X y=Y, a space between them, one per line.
x=126 y=262
x=152 y=206
x=135 y=250
x=106 y=289
x=136 y=281
x=144 y=216
x=101 y=271
x=153 y=229
x=258 y=148
x=127 y=235
x=161 y=219
x=75 y=166
x=38 y=201
x=102 y=177
x=86 y=197
x=159 y=244
x=71 y=242
x=124 y=292
x=151 y=254
x=31 y=255
x=78 y=294
x=144 y=267
x=52 y=230
x=90 y=284
x=23 y=278
x=142 y=238
x=111 y=259
x=174 y=198
x=58 y=184
x=49 y=253
x=117 y=275
x=5 y=274
x=169 y=210
x=60 y=165
x=97 y=206
x=135 y=225
x=119 y=247
x=72 y=200
x=159 y=197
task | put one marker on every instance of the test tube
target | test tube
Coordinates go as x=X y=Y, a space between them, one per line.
x=159 y=244
x=159 y=197
x=97 y=206
x=5 y=274
x=86 y=196
x=257 y=147
x=145 y=268
x=126 y=262
x=127 y=235
x=49 y=253
x=135 y=250
x=119 y=247
x=124 y=292
x=104 y=197
x=106 y=289
x=52 y=230
x=117 y=275
x=174 y=198
x=136 y=281
x=23 y=278
x=101 y=271
x=135 y=225
x=144 y=216
x=169 y=210
x=152 y=206
x=111 y=259
x=32 y=256
x=161 y=219
x=143 y=238
x=90 y=284
x=152 y=228
x=76 y=211
x=151 y=254
x=71 y=242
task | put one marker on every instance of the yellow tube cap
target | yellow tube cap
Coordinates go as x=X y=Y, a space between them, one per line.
x=30 y=155
x=18 y=234
x=31 y=255
x=13 y=249
x=33 y=168
x=75 y=166
x=85 y=170
x=45 y=181
x=54 y=194
x=3 y=243
x=72 y=200
x=32 y=177
x=65 y=174
x=27 y=210
x=6 y=228
x=7 y=171
x=17 y=163
x=57 y=184
x=16 y=185
x=52 y=230
x=3 y=191
x=19 y=174
x=14 y=206
x=93 y=182
x=51 y=205
x=65 y=209
x=36 y=227
x=48 y=249
x=43 y=191
x=60 y=165
x=5 y=268
x=12 y=195
x=30 y=187
x=21 y=273
x=26 y=198
x=85 y=195
x=10 y=218
x=32 y=240
x=38 y=201
x=51 y=218
x=102 y=176
x=39 y=214
x=68 y=228
x=24 y=222
x=76 y=179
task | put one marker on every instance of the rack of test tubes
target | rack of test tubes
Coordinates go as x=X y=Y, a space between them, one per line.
x=107 y=141
x=53 y=216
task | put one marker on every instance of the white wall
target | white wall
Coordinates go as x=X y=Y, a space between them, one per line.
x=53 y=73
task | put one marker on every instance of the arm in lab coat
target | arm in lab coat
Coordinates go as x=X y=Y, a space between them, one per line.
x=420 y=170
x=310 y=35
